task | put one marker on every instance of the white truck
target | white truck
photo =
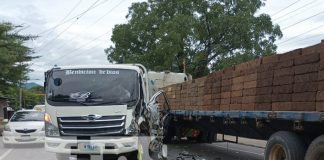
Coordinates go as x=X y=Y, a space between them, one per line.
x=98 y=109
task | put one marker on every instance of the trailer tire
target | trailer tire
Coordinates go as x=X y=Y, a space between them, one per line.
x=285 y=145
x=315 y=150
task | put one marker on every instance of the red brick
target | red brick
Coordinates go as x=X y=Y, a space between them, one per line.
x=284 y=64
x=216 y=101
x=248 y=107
x=249 y=92
x=235 y=106
x=303 y=106
x=228 y=73
x=320 y=96
x=248 y=99
x=226 y=82
x=304 y=97
x=238 y=79
x=319 y=106
x=270 y=59
x=305 y=87
x=251 y=70
x=311 y=49
x=305 y=59
x=321 y=85
x=281 y=97
x=226 y=88
x=306 y=68
x=250 y=77
x=281 y=106
x=225 y=100
x=236 y=100
x=251 y=84
x=284 y=72
x=225 y=107
x=238 y=93
x=254 y=63
x=283 y=89
x=264 y=90
x=290 y=55
x=265 y=82
x=207 y=97
x=265 y=67
x=308 y=77
x=225 y=94
x=237 y=86
x=265 y=75
x=216 y=96
x=238 y=73
x=216 y=90
x=321 y=75
x=263 y=98
x=283 y=80
x=263 y=107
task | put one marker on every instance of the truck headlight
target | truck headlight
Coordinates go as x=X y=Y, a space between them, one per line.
x=50 y=129
x=7 y=128
x=133 y=129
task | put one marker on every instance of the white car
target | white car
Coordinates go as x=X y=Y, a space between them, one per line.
x=24 y=127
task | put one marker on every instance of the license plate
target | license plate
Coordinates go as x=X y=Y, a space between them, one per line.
x=88 y=147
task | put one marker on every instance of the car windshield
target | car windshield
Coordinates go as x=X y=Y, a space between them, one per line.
x=75 y=87
x=27 y=116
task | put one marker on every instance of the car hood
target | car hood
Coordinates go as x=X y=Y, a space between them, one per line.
x=27 y=125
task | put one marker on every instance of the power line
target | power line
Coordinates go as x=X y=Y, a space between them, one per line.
x=68 y=14
x=81 y=46
x=311 y=30
x=295 y=10
x=297 y=13
x=303 y=20
x=51 y=41
x=70 y=19
x=285 y=8
x=95 y=22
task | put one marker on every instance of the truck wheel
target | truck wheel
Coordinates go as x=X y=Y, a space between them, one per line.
x=285 y=145
x=315 y=150
x=62 y=156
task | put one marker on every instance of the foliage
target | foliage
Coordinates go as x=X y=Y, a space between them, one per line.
x=198 y=36
x=14 y=58
x=33 y=96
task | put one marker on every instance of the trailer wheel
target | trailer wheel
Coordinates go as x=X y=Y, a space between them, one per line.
x=315 y=150
x=285 y=145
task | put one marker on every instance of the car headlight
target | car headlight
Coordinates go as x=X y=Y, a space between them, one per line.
x=7 y=128
x=50 y=129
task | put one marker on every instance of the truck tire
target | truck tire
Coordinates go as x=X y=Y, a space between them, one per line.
x=62 y=156
x=315 y=150
x=285 y=145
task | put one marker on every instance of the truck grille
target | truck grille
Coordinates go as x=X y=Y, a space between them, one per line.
x=78 y=126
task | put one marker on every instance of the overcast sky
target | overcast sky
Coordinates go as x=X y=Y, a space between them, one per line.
x=302 y=24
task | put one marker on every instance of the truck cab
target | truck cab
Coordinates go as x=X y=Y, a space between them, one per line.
x=94 y=109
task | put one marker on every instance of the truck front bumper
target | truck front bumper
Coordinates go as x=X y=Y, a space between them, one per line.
x=103 y=145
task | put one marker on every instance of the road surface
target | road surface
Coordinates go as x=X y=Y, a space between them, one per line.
x=215 y=151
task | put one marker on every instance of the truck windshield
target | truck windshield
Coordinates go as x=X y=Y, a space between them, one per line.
x=75 y=87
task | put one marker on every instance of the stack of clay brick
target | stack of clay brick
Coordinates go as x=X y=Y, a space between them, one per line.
x=293 y=81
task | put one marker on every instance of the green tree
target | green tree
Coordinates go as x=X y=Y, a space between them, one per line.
x=14 y=58
x=198 y=36
x=33 y=96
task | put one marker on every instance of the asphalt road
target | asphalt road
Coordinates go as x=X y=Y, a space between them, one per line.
x=215 y=151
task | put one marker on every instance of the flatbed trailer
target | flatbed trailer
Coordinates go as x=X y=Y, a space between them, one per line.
x=290 y=135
